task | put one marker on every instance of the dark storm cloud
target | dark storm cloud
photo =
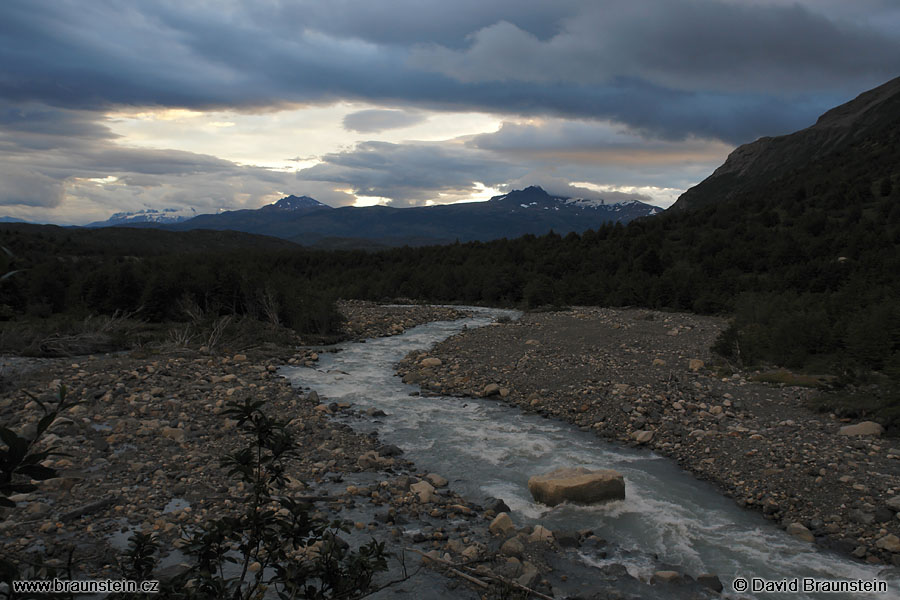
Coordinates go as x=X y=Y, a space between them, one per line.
x=411 y=174
x=695 y=67
x=374 y=120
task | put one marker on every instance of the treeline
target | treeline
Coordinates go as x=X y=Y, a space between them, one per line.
x=807 y=266
x=53 y=271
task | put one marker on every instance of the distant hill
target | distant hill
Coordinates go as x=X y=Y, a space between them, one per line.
x=529 y=211
x=849 y=140
x=27 y=240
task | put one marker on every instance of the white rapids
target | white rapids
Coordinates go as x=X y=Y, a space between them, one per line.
x=488 y=449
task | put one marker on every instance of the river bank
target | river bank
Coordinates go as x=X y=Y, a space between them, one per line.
x=641 y=377
x=144 y=446
x=146 y=440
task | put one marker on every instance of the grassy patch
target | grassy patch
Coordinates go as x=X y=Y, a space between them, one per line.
x=789 y=378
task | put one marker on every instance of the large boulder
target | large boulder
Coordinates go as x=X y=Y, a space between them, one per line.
x=579 y=485
x=864 y=428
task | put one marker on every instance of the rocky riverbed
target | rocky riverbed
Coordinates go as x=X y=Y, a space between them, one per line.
x=146 y=440
x=642 y=377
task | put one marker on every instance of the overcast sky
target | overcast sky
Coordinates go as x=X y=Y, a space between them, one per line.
x=110 y=106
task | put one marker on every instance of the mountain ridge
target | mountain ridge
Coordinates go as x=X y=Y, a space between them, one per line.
x=306 y=221
x=751 y=166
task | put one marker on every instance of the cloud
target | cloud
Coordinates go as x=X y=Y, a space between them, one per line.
x=69 y=161
x=690 y=45
x=27 y=187
x=729 y=70
x=411 y=174
x=375 y=120
x=609 y=92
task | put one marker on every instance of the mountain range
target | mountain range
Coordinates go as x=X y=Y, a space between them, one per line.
x=306 y=221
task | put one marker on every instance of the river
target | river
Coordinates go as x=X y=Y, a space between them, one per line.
x=488 y=449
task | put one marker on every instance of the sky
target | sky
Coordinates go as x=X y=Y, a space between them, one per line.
x=109 y=106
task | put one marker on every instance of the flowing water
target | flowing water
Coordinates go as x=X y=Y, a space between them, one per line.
x=488 y=449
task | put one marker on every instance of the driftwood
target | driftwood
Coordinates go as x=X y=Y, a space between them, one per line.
x=88 y=508
x=452 y=568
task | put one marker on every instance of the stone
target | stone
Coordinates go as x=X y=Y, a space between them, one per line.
x=799 y=531
x=491 y=389
x=496 y=504
x=695 y=364
x=541 y=534
x=431 y=362
x=239 y=357
x=890 y=542
x=424 y=490
x=471 y=553
x=372 y=460
x=864 y=518
x=666 y=577
x=864 y=428
x=502 y=525
x=578 y=485
x=893 y=504
x=313 y=397
x=530 y=575
x=711 y=581
x=436 y=480
x=642 y=437
x=658 y=362
x=513 y=547
x=174 y=433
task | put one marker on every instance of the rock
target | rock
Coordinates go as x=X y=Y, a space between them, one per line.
x=658 y=362
x=642 y=437
x=375 y=412
x=666 y=577
x=436 y=480
x=799 y=531
x=695 y=364
x=890 y=542
x=38 y=509
x=313 y=397
x=858 y=516
x=239 y=357
x=529 y=576
x=864 y=428
x=491 y=389
x=497 y=505
x=471 y=553
x=390 y=450
x=372 y=460
x=541 y=534
x=424 y=490
x=174 y=433
x=711 y=581
x=431 y=362
x=502 y=525
x=893 y=504
x=513 y=547
x=578 y=485
x=568 y=539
